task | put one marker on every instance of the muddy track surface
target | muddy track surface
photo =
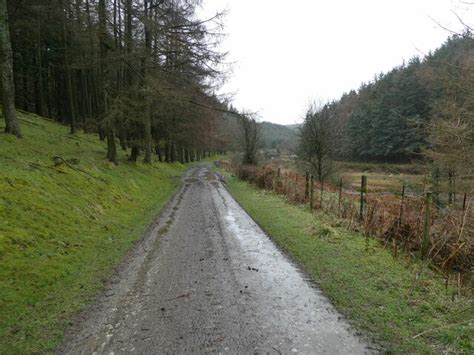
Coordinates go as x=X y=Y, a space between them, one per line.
x=207 y=279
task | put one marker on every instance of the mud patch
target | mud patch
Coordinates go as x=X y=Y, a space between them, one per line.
x=210 y=176
x=163 y=230
x=191 y=180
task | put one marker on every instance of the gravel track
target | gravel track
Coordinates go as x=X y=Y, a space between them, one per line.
x=207 y=279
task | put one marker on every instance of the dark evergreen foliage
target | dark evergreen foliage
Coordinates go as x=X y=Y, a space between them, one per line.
x=385 y=120
x=141 y=73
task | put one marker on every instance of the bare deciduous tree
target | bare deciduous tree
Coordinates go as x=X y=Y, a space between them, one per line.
x=317 y=137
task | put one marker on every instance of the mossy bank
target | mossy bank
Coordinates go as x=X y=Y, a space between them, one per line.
x=64 y=224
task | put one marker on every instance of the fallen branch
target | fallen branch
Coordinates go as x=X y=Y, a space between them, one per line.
x=77 y=169
x=453 y=253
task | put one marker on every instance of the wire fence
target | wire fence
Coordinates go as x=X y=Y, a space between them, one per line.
x=402 y=221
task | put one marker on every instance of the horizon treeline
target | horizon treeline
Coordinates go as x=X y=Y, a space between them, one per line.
x=140 y=73
x=394 y=117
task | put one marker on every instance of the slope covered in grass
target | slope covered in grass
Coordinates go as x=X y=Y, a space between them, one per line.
x=63 y=228
x=404 y=304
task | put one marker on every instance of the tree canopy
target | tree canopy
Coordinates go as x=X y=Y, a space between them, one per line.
x=387 y=118
x=142 y=73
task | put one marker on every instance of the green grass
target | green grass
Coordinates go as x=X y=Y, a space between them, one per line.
x=63 y=229
x=380 y=294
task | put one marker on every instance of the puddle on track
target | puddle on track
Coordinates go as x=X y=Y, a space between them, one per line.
x=207 y=279
x=293 y=308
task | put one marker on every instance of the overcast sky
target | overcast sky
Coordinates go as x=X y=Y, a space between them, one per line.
x=289 y=52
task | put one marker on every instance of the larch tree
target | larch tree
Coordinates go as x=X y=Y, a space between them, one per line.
x=8 y=86
x=140 y=73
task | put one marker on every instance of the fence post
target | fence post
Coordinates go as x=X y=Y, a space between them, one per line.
x=278 y=181
x=340 y=196
x=363 y=191
x=436 y=187
x=401 y=207
x=464 y=201
x=295 y=186
x=311 y=193
x=306 y=186
x=427 y=225
x=273 y=180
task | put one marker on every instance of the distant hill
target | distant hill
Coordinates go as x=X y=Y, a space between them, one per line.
x=294 y=127
x=278 y=136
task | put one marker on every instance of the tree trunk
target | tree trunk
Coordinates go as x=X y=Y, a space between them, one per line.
x=24 y=84
x=6 y=62
x=181 y=155
x=39 y=92
x=158 y=152
x=111 y=146
x=134 y=153
x=128 y=39
x=50 y=91
x=67 y=72
x=186 y=156
x=172 y=152
x=167 y=151
x=148 y=139
x=123 y=139
x=149 y=113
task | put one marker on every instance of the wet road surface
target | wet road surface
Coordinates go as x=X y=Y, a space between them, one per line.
x=206 y=279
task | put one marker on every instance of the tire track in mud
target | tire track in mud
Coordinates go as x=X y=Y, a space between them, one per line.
x=207 y=279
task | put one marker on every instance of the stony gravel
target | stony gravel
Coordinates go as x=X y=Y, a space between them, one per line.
x=207 y=279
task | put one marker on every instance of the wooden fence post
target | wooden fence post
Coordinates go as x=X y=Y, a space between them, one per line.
x=401 y=208
x=306 y=186
x=311 y=193
x=427 y=225
x=340 y=197
x=436 y=176
x=363 y=191
x=295 y=186
x=278 y=181
x=273 y=180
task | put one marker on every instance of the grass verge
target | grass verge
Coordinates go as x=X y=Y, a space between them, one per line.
x=402 y=303
x=63 y=228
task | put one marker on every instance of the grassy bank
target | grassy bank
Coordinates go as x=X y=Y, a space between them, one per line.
x=63 y=228
x=402 y=303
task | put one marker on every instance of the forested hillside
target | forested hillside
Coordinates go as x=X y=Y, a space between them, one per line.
x=140 y=73
x=275 y=136
x=392 y=118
